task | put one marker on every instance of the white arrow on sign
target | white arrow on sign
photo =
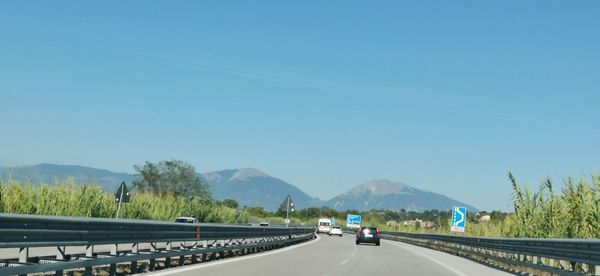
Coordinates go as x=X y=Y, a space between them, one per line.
x=462 y=217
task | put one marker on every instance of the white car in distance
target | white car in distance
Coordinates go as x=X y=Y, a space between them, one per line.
x=186 y=220
x=335 y=230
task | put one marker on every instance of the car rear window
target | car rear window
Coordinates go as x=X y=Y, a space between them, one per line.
x=371 y=229
x=323 y=223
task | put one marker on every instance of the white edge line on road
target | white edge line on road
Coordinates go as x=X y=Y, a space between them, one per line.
x=226 y=261
x=430 y=258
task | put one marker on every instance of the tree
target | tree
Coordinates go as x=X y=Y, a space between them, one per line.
x=258 y=212
x=230 y=203
x=173 y=177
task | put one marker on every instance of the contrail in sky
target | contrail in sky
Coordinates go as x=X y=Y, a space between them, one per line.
x=342 y=90
x=260 y=75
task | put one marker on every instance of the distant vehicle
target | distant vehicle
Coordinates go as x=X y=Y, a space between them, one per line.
x=264 y=224
x=324 y=225
x=186 y=220
x=335 y=230
x=368 y=235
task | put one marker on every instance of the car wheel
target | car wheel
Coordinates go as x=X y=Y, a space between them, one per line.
x=377 y=244
x=357 y=242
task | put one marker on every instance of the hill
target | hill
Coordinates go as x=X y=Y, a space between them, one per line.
x=385 y=194
x=49 y=173
x=251 y=187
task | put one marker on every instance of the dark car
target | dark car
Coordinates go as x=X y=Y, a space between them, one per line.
x=368 y=235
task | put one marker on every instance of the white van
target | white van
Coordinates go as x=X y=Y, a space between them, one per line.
x=324 y=225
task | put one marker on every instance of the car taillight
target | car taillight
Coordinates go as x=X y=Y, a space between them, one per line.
x=378 y=233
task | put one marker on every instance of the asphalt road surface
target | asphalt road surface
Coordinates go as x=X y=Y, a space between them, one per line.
x=340 y=256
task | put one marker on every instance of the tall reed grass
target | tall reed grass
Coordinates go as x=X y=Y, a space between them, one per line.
x=65 y=198
x=573 y=213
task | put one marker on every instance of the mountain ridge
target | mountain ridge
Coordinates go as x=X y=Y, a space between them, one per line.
x=253 y=187
x=386 y=194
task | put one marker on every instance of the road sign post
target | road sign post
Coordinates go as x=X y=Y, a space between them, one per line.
x=288 y=206
x=121 y=196
x=459 y=219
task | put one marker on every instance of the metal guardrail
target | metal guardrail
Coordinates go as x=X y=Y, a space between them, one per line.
x=553 y=256
x=205 y=241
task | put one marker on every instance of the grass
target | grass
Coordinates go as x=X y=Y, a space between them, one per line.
x=68 y=199
x=573 y=213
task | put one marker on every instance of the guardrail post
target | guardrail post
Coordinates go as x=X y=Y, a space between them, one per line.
x=60 y=256
x=168 y=259
x=182 y=257
x=221 y=252
x=89 y=253
x=134 y=264
x=204 y=253
x=194 y=256
x=114 y=251
x=23 y=256
x=152 y=264
x=230 y=252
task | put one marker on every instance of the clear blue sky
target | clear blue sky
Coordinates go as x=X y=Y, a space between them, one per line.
x=444 y=95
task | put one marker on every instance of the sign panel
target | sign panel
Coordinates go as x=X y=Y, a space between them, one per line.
x=332 y=221
x=459 y=219
x=287 y=205
x=122 y=194
x=353 y=221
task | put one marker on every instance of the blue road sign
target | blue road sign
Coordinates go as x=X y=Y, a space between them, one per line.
x=332 y=221
x=459 y=219
x=353 y=221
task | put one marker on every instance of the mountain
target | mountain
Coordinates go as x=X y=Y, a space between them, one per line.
x=248 y=186
x=385 y=194
x=251 y=187
x=48 y=173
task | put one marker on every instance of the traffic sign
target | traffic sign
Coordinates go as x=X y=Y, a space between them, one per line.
x=122 y=195
x=459 y=219
x=353 y=221
x=332 y=221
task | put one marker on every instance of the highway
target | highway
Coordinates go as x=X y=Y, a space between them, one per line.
x=328 y=256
